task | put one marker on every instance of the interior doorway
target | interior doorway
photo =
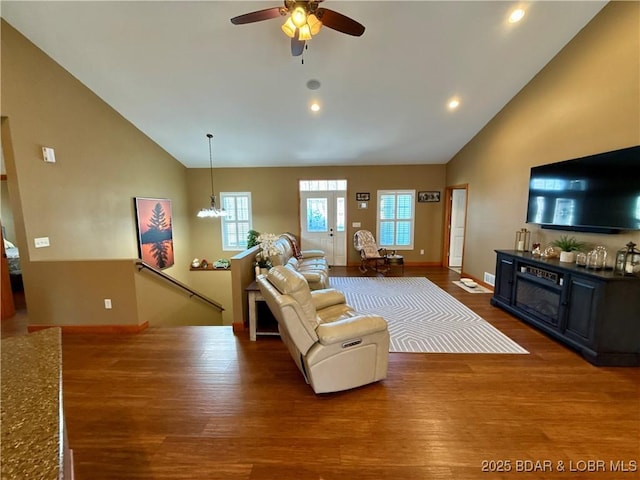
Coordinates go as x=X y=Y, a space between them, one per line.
x=455 y=231
x=8 y=308
x=12 y=286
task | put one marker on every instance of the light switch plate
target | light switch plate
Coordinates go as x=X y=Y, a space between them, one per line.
x=48 y=155
x=41 y=242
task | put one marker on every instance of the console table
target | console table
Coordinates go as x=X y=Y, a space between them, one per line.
x=596 y=312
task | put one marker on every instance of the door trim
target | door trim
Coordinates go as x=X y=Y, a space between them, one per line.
x=331 y=196
x=446 y=241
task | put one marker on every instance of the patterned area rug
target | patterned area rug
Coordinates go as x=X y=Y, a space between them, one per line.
x=424 y=318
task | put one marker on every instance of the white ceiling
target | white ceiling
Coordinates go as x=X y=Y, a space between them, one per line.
x=179 y=69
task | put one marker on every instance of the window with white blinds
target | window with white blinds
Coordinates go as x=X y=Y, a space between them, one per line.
x=396 y=215
x=237 y=223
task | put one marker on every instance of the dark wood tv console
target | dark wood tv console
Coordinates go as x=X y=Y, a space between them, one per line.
x=596 y=312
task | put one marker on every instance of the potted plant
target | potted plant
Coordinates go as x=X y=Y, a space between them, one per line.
x=568 y=246
x=252 y=238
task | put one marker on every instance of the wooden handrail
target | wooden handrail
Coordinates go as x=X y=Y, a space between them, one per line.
x=192 y=293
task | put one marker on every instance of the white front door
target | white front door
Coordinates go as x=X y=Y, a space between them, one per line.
x=458 y=214
x=322 y=224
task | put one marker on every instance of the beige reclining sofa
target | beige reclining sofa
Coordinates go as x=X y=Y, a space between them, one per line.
x=311 y=264
x=334 y=347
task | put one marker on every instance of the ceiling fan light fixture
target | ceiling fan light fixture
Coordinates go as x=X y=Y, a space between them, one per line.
x=289 y=28
x=299 y=17
x=314 y=24
x=303 y=20
x=212 y=210
x=304 y=33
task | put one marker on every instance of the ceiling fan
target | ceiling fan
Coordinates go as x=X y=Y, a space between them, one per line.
x=304 y=20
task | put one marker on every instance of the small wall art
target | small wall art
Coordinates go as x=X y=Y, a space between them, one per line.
x=363 y=197
x=431 y=196
x=155 y=231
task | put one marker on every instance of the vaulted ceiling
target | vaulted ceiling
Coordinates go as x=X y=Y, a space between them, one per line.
x=179 y=69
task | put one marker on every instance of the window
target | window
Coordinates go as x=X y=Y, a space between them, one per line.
x=396 y=219
x=237 y=223
x=322 y=185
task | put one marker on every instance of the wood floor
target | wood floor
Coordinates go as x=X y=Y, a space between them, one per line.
x=201 y=403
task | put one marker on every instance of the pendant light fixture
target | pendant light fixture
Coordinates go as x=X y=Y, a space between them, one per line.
x=212 y=210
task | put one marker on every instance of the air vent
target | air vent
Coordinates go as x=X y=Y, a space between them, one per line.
x=490 y=279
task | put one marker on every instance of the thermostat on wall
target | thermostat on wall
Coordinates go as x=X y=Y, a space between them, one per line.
x=48 y=155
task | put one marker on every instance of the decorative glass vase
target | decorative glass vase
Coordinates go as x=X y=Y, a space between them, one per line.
x=597 y=258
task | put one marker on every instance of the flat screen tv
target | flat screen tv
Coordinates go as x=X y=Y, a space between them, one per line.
x=599 y=193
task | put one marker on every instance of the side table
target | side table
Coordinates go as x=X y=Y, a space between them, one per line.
x=254 y=296
x=396 y=261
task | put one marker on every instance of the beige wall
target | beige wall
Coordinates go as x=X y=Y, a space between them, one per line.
x=163 y=305
x=84 y=202
x=275 y=208
x=56 y=298
x=585 y=101
x=275 y=202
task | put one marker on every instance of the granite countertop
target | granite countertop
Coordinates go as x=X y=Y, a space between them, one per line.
x=32 y=418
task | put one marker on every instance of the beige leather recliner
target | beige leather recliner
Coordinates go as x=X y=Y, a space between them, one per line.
x=311 y=264
x=334 y=347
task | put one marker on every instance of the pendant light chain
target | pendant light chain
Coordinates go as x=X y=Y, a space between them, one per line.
x=212 y=210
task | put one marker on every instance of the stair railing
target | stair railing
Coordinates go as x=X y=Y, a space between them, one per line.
x=192 y=293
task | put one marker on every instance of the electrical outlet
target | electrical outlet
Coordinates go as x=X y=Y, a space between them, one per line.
x=107 y=303
x=41 y=242
x=421 y=251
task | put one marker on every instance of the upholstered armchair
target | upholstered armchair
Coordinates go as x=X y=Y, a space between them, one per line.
x=334 y=347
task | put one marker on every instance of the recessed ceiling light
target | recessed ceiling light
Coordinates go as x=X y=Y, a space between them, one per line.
x=315 y=107
x=453 y=103
x=516 y=15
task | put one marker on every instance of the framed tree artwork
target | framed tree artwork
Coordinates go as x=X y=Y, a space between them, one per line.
x=155 y=231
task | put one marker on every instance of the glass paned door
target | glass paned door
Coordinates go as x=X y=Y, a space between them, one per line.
x=323 y=220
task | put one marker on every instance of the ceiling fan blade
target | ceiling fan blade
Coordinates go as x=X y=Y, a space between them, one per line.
x=258 y=16
x=297 y=46
x=339 y=22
